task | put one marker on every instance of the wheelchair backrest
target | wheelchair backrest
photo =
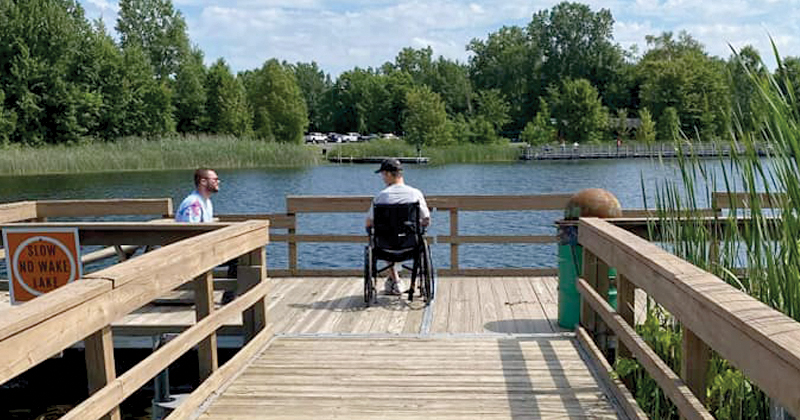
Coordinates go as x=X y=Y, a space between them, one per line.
x=396 y=225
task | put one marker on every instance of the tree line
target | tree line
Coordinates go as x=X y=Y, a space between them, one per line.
x=64 y=79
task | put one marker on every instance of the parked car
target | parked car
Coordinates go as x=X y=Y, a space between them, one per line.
x=369 y=137
x=351 y=137
x=315 y=137
x=389 y=136
x=334 y=137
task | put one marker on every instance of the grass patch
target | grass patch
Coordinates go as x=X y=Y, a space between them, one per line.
x=139 y=154
x=462 y=153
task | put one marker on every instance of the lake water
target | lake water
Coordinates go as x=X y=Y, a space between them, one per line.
x=264 y=191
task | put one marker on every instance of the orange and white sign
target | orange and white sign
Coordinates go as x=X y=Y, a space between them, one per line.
x=39 y=260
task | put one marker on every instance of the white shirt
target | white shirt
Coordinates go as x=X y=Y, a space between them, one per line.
x=401 y=194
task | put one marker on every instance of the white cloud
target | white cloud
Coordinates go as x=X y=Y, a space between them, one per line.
x=340 y=35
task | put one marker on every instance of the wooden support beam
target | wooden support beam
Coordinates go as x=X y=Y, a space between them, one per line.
x=207 y=353
x=100 y=369
x=454 y=245
x=626 y=308
x=251 y=273
x=695 y=359
x=589 y=273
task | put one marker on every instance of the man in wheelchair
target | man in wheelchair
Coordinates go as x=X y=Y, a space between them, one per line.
x=395 y=193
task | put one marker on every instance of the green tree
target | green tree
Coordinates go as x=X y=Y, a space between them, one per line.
x=226 y=103
x=279 y=110
x=577 y=109
x=314 y=84
x=577 y=43
x=492 y=108
x=426 y=118
x=540 y=130
x=190 y=95
x=507 y=60
x=46 y=72
x=669 y=125
x=647 y=129
x=158 y=29
x=679 y=74
x=745 y=69
x=147 y=106
x=8 y=119
x=621 y=125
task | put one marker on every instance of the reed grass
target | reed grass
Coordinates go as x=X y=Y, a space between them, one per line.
x=439 y=155
x=760 y=256
x=176 y=152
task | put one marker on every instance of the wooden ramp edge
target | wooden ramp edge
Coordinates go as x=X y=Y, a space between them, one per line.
x=486 y=376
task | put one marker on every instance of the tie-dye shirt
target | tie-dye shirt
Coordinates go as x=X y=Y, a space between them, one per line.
x=195 y=208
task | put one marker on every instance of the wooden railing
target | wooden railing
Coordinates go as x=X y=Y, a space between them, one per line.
x=762 y=342
x=40 y=211
x=453 y=205
x=85 y=309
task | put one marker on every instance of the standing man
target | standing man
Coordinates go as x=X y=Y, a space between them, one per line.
x=197 y=207
x=397 y=192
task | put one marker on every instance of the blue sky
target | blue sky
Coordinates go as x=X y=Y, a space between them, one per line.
x=340 y=35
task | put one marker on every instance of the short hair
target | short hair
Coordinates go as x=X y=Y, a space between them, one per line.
x=200 y=174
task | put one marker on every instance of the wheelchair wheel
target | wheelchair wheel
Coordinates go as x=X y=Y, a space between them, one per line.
x=369 y=277
x=427 y=279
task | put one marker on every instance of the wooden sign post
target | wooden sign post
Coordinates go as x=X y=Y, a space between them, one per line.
x=39 y=260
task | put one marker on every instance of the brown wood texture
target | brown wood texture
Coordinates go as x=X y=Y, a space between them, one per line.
x=695 y=359
x=136 y=282
x=609 y=376
x=405 y=378
x=674 y=388
x=128 y=206
x=207 y=352
x=122 y=387
x=131 y=233
x=723 y=200
x=18 y=211
x=276 y=220
x=755 y=338
x=100 y=370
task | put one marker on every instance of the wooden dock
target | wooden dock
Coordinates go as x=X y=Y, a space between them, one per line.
x=488 y=346
x=376 y=160
x=635 y=151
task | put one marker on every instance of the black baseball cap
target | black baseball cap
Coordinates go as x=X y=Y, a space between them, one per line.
x=390 y=165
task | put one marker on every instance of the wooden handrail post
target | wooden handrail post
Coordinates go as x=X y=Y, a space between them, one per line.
x=694 y=366
x=626 y=307
x=292 y=245
x=454 y=233
x=589 y=273
x=100 y=370
x=207 y=353
x=603 y=285
x=252 y=271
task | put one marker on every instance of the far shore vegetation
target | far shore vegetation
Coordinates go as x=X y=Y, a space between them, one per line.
x=228 y=152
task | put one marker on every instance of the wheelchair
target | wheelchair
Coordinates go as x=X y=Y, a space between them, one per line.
x=396 y=235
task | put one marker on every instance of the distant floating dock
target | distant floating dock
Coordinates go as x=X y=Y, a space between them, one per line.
x=656 y=150
x=351 y=159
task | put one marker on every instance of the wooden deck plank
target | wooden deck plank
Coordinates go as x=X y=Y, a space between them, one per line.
x=335 y=305
x=442 y=378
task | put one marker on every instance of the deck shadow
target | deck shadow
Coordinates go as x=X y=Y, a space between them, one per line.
x=519 y=326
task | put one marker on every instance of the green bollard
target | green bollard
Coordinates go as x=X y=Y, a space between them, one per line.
x=570 y=264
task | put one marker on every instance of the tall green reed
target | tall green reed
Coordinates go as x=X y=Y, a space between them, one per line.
x=754 y=247
x=136 y=153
